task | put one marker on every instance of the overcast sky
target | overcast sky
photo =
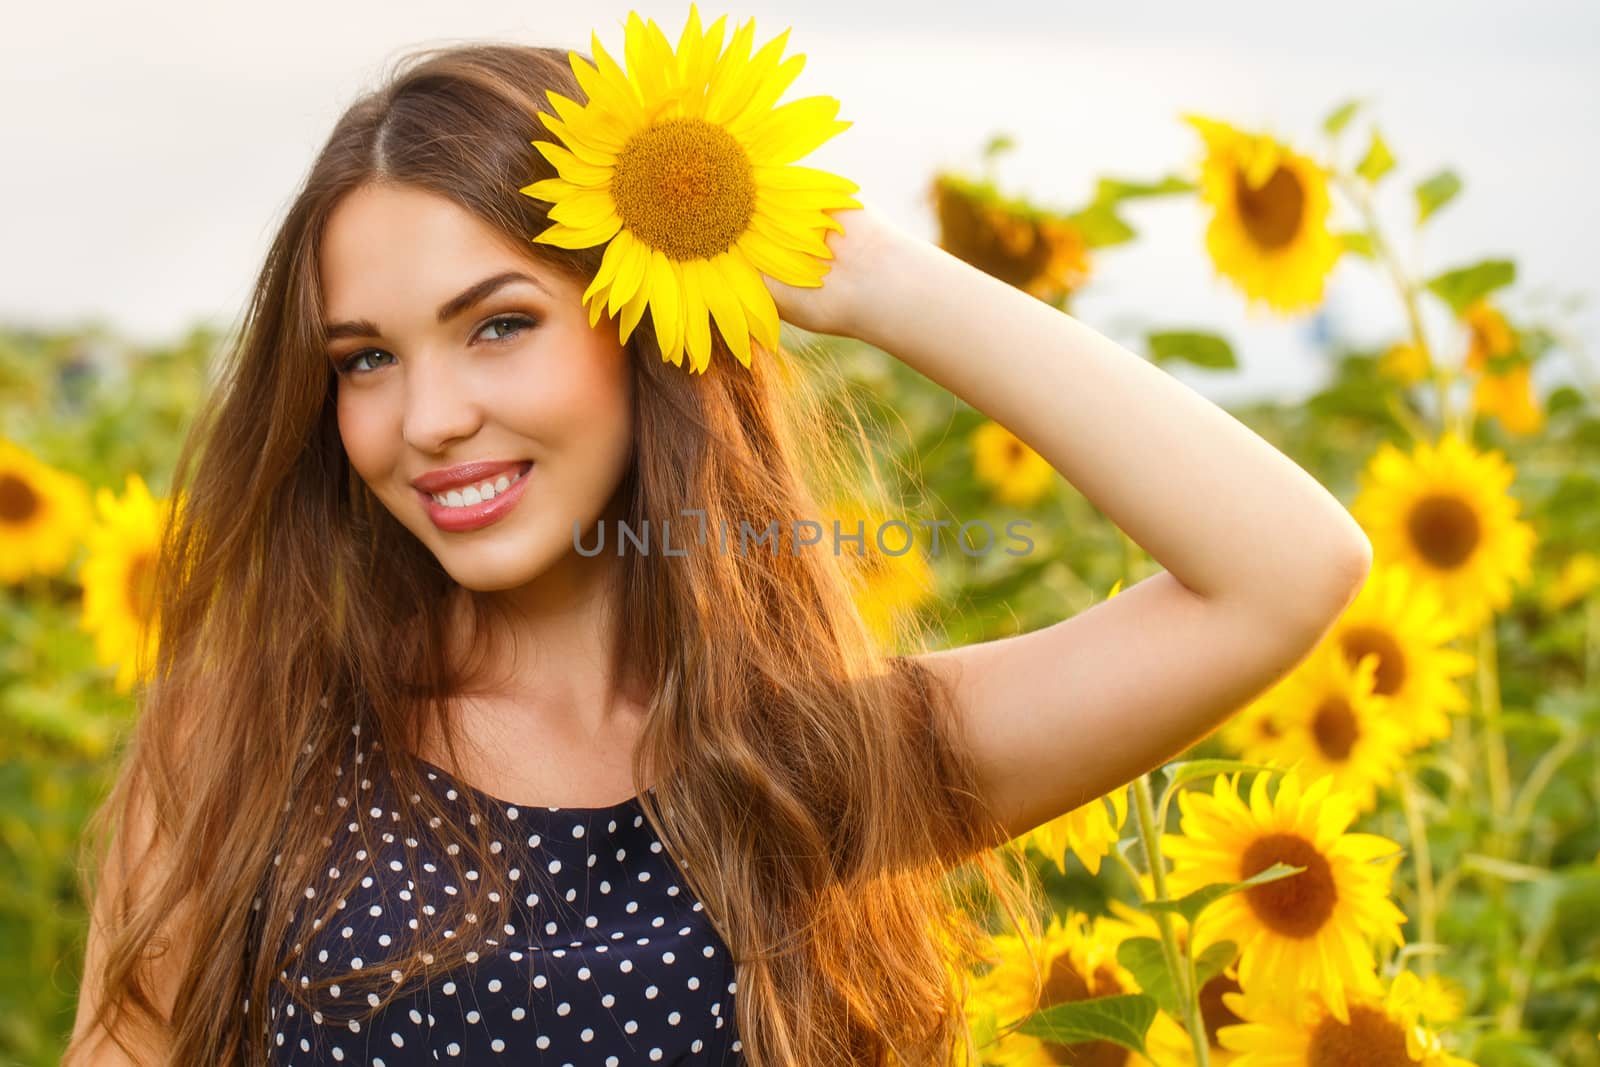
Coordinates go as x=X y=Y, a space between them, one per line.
x=150 y=149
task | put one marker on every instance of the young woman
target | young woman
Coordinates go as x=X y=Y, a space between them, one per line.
x=421 y=779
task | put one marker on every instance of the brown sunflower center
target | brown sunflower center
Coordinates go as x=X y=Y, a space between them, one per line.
x=141 y=588
x=1335 y=728
x=1371 y=1039
x=684 y=186
x=1444 y=530
x=1390 y=676
x=1271 y=214
x=1296 y=906
x=1065 y=985
x=18 y=501
x=1215 y=1013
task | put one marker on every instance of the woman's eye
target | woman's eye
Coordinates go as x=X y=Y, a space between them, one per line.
x=349 y=365
x=517 y=322
x=511 y=325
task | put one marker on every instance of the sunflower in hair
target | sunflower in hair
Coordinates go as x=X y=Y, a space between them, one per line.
x=683 y=168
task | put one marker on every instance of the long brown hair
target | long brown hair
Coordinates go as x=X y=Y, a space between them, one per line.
x=811 y=786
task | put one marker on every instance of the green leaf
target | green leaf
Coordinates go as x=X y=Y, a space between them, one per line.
x=1101 y=226
x=1460 y=287
x=1122 y=1019
x=1202 y=349
x=1188 y=770
x=1000 y=142
x=1214 y=960
x=1191 y=905
x=1501 y=1050
x=1435 y=192
x=1340 y=116
x=1359 y=242
x=1378 y=161
x=1144 y=959
x=1115 y=190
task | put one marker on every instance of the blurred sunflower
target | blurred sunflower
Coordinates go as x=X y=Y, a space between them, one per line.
x=43 y=515
x=886 y=582
x=1089 y=830
x=1404 y=363
x=1578 y=576
x=1331 y=722
x=1001 y=459
x=1168 y=1039
x=1269 y=227
x=1312 y=930
x=1042 y=254
x=1444 y=512
x=1403 y=623
x=680 y=167
x=1079 y=962
x=1504 y=385
x=119 y=580
x=1383 y=1029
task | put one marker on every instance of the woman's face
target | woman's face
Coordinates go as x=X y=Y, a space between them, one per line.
x=428 y=381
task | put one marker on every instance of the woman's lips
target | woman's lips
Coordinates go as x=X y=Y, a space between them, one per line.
x=476 y=516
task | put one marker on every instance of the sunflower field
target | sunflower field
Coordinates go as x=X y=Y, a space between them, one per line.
x=1391 y=857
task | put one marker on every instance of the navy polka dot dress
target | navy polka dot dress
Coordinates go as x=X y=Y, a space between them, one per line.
x=625 y=968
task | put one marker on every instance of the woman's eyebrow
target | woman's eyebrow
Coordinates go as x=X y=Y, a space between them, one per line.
x=456 y=305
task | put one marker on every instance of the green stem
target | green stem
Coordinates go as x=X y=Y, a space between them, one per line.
x=1441 y=376
x=1494 y=740
x=1422 y=858
x=1182 y=980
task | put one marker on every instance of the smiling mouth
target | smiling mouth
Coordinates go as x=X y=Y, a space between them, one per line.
x=480 y=492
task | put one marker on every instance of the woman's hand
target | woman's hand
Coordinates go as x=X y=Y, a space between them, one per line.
x=865 y=247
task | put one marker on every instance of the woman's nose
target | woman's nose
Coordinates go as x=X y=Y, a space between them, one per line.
x=440 y=404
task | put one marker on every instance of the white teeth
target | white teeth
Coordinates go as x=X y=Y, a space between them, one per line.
x=475 y=494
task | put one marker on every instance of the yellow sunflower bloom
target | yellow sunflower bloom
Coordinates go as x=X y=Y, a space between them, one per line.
x=1383 y=1029
x=1089 y=830
x=1444 y=513
x=1310 y=931
x=118 y=580
x=1269 y=227
x=1079 y=962
x=1042 y=254
x=887 y=582
x=1404 y=363
x=1506 y=393
x=681 y=167
x=1018 y=474
x=1331 y=722
x=1576 y=579
x=1402 y=622
x=43 y=515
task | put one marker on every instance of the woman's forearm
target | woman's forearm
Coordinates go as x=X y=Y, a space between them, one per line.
x=1222 y=510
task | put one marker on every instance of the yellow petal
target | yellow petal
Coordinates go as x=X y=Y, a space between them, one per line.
x=572 y=168
x=731 y=94
x=732 y=61
x=643 y=66
x=666 y=303
x=567 y=237
x=725 y=309
x=696 y=324
x=602 y=95
x=761 y=311
x=774 y=259
x=632 y=311
x=585 y=210
x=551 y=189
x=766 y=94
x=608 y=269
x=780 y=231
x=615 y=79
x=785 y=137
x=630 y=272
x=803 y=179
x=578 y=144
